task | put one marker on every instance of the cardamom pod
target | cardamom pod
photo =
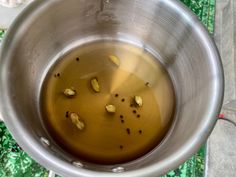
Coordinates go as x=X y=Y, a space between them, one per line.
x=75 y=119
x=110 y=108
x=94 y=84
x=114 y=60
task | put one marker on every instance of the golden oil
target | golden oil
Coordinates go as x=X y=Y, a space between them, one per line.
x=122 y=71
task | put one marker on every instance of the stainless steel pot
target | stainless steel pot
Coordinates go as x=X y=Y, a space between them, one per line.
x=47 y=29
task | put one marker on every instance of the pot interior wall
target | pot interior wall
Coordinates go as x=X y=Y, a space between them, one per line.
x=58 y=26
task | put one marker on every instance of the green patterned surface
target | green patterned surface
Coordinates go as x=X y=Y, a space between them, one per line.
x=205 y=10
x=16 y=163
x=194 y=167
x=13 y=161
x=2 y=32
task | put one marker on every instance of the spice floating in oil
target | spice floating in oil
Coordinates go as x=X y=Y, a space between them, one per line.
x=108 y=73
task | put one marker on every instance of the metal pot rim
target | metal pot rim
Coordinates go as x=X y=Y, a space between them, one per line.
x=54 y=163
